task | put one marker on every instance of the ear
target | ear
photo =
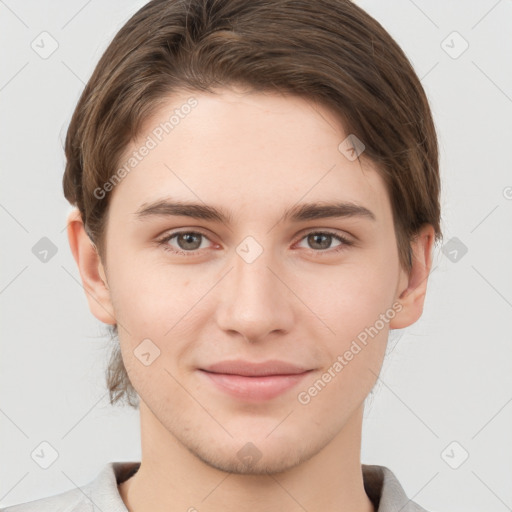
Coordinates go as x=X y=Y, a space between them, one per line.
x=413 y=286
x=91 y=269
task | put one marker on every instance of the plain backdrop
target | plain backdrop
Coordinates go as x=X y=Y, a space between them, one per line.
x=441 y=413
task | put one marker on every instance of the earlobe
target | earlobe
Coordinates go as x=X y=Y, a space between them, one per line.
x=412 y=296
x=91 y=269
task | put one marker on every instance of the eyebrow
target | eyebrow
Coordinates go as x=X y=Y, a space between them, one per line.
x=298 y=213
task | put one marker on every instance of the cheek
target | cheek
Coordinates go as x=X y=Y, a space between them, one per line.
x=354 y=296
x=161 y=311
x=358 y=308
x=149 y=298
x=358 y=312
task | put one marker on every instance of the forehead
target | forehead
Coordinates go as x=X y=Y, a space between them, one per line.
x=251 y=153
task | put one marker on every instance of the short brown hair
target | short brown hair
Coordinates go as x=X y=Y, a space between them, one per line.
x=330 y=51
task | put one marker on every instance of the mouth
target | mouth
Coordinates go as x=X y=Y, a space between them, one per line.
x=254 y=381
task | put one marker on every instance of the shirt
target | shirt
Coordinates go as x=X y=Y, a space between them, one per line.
x=102 y=494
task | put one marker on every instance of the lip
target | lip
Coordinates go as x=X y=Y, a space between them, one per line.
x=250 y=369
x=254 y=381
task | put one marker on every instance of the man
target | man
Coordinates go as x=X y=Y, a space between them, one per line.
x=257 y=195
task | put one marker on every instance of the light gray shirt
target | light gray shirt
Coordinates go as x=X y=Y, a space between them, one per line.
x=102 y=494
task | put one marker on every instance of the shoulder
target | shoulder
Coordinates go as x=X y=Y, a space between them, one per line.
x=385 y=491
x=68 y=501
x=99 y=494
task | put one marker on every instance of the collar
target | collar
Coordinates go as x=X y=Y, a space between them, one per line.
x=380 y=484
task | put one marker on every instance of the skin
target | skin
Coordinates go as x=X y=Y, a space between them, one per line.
x=254 y=155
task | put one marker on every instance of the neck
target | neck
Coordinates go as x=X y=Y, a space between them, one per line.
x=172 y=477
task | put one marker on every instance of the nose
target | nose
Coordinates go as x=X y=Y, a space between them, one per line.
x=255 y=299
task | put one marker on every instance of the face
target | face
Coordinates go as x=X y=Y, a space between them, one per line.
x=256 y=272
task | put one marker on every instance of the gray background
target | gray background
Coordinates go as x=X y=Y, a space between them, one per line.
x=445 y=391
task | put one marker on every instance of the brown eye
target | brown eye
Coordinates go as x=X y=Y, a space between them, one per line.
x=321 y=242
x=186 y=242
x=189 y=241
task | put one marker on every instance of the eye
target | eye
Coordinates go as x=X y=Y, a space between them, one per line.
x=187 y=242
x=321 y=241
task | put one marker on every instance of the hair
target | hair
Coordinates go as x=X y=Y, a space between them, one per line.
x=329 y=51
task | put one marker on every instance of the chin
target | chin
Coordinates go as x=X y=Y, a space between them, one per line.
x=249 y=460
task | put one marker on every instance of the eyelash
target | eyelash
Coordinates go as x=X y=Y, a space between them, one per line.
x=320 y=253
